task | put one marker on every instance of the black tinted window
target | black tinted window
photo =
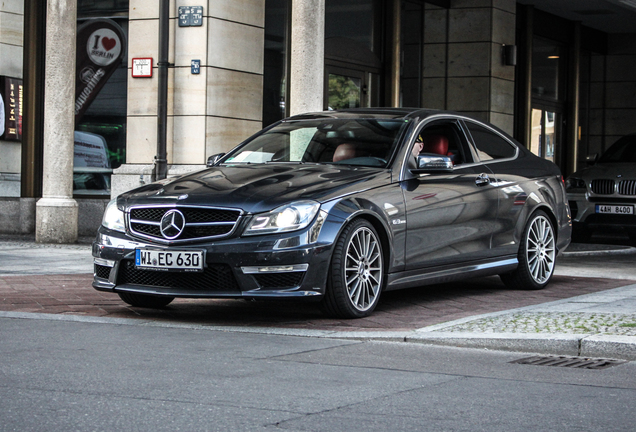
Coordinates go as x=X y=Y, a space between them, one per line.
x=490 y=145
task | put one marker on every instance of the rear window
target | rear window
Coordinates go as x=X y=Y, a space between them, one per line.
x=489 y=144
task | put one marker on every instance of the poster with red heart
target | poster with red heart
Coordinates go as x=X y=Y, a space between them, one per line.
x=101 y=45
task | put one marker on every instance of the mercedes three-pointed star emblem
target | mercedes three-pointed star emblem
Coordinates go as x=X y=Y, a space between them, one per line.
x=172 y=224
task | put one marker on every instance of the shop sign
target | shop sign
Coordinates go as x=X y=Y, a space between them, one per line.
x=11 y=103
x=100 y=47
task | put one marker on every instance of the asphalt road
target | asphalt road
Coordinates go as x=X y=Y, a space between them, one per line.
x=79 y=376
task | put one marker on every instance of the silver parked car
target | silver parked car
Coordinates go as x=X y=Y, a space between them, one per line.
x=603 y=195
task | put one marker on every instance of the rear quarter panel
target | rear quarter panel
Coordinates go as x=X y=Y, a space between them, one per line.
x=525 y=185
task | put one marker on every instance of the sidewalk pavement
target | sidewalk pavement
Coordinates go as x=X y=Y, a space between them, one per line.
x=599 y=323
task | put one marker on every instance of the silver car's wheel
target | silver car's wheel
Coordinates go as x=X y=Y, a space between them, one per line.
x=540 y=249
x=537 y=255
x=357 y=272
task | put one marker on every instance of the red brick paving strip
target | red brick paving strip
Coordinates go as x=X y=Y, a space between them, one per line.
x=398 y=310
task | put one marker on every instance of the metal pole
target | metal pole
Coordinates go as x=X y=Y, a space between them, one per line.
x=396 y=45
x=161 y=162
x=574 y=98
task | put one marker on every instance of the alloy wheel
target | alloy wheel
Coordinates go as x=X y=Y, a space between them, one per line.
x=363 y=269
x=540 y=249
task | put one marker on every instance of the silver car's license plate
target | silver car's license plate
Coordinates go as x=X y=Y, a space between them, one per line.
x=615 y=209
x=173 y=260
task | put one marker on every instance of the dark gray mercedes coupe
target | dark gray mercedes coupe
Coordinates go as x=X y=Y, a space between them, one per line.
x=337 y=207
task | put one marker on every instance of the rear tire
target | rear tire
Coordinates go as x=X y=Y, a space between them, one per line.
x=145 y=300
x=356 y=274
x=537 y=255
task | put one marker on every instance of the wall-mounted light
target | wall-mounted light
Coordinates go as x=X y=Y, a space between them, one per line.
x=509 y=55
x=553 y=57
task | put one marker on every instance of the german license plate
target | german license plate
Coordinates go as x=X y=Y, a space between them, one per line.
x=172 y=260
x=615 y=209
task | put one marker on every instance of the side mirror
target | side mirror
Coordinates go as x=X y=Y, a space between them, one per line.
x=591 y=159
x=214 y=159
x=431 y=163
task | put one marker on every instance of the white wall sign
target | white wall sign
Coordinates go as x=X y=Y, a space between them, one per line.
x=142 y=68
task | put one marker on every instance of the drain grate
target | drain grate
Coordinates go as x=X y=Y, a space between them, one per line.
x=570 y=362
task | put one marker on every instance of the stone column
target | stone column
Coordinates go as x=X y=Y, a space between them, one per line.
x=56 y=211
x=307 y=56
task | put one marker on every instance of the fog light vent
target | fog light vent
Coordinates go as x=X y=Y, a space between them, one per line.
x=102 y=271
x=570 y=362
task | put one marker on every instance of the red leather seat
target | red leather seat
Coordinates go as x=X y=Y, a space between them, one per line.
x=437 y=144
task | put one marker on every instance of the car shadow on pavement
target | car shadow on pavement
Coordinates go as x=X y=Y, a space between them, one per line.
x=398 y=310
x=409 y=309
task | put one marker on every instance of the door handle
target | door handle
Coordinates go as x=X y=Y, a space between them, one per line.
x=482 y=179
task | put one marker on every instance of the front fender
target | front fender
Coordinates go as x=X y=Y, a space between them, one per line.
x=385 y=210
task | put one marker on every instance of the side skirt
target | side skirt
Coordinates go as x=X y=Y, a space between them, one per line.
x=415 y=278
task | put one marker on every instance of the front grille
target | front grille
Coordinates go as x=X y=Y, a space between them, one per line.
x=102 y=271
x=200 y=222
x=603 y=187
x=215 y=277
x=627 y=187
x=279 y=280
x=151 y=230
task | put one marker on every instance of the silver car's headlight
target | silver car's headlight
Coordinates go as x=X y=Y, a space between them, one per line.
x=290 y=217
x=574 y=183
x=113 y=217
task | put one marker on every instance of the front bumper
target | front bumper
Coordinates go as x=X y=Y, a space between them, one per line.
x=254 y=267
x=584 y=213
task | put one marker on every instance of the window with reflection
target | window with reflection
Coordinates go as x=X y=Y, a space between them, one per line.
x=547 y=69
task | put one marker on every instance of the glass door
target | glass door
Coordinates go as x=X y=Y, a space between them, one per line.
x=546 y=134
x=346 y=88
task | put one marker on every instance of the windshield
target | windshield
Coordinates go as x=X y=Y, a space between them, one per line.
x=363 y=142
x=622 y=151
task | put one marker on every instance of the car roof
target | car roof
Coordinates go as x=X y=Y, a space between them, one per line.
x=387 y=113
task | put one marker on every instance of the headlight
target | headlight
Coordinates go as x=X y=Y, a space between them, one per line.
x=574 y=183
x=113 y=217
x=290 y=217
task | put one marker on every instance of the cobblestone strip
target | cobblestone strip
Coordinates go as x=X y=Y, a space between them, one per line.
x=544 y=322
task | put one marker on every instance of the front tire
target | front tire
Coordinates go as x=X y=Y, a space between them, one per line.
x=145 y=300
x=537 y=255
x=356 y=275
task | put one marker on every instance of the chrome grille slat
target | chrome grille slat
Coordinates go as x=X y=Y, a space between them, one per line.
x=603 y=187
x=201 y=223
x=210 y=223
x=627 y=187
x=145 y=222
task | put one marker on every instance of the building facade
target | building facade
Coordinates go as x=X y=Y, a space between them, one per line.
x=555 y=75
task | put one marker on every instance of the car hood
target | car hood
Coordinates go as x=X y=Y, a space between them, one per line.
x=607 y=171
x=256 y=188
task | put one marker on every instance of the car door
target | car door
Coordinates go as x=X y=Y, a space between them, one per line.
x=509 y=175
x=450 y=216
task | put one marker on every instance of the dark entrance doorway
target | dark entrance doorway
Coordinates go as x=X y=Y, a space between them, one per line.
x=353 y=39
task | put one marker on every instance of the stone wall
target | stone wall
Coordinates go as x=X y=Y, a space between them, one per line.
x=463 y=60
x=608 y=96
x=208 y=113
x=11 y=43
